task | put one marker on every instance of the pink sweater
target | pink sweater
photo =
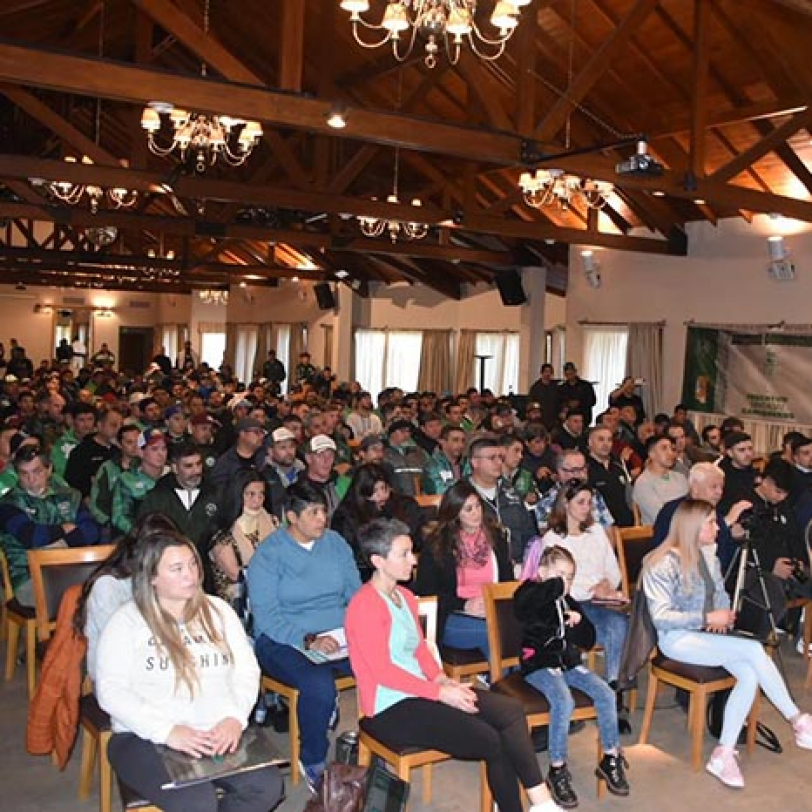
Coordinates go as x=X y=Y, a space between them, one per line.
x=368 y=624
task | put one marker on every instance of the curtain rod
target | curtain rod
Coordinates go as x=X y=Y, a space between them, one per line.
x=661 y=323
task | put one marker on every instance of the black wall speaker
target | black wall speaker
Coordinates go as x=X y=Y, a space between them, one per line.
x=324 y=296
x=510 y=288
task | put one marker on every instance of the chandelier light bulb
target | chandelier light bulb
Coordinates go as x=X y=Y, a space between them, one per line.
x=504 y=16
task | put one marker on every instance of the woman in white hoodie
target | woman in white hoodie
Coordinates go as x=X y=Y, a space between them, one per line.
x=175 y=668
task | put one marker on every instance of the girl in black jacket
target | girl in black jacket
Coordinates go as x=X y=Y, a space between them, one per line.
x=555 y=631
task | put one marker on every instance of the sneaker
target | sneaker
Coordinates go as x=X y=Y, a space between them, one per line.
x=312 y=774
x=548 y=806
x=559 y=782
x=724 y=765
x=802 y=727
x=799 y=646
x=612 y=770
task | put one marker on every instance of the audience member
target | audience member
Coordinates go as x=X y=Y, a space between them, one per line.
x=658 y=483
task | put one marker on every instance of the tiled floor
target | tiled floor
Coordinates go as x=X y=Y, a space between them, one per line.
x=660 y=774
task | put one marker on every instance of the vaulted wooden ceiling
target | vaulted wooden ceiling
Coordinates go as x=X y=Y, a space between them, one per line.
x=721 y=89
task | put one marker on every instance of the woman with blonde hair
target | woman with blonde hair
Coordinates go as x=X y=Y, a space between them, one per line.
x=175 y=668
x=682 y=582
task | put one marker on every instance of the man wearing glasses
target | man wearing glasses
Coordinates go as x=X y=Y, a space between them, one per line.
x=571 y=466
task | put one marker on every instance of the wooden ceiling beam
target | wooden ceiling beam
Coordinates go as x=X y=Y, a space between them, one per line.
x=88 y=76
x=776 y=137
x=801 y=6
x=699 y=99
x=203 y=45
x=593 y=70
x=291 y=46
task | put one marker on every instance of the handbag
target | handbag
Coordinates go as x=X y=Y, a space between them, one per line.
x=343 y=789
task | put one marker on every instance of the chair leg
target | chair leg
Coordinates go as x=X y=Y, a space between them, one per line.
x=699 y=704
x=11 y=649
x=31 y=658
x=427 y=775
x=87 y=763
x=105 y=774
x=295 y=746
x=364 y=755
x=485 y=797
x=648 y=713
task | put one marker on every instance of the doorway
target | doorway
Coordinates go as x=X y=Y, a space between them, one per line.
x=135 y=348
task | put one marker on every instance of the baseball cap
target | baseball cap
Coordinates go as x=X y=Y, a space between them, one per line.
x=319 y=443
x=239 y=401
x=397 y=425
x=533 y=405
x=249 y=424
x=150 y=437
x=203 y=420
x=733 y=438
x=282 y=434
x=136 y=397
x=176 y=408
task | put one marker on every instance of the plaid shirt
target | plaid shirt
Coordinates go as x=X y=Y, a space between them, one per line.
x=544 y=507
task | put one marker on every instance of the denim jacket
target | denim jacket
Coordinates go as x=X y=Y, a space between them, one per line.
x=679 y=603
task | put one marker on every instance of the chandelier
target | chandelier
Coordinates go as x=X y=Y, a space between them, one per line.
x=549 y=187
x=209 y=137
x=213 y=296
x=161 y=272
x=409 y=229
x=450 y=22
x=72 y=193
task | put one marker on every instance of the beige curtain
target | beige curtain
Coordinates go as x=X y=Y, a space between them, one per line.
x=263 y=342
x=230 y=355
x=296 y=347
x=435 y=362
x=466 y=347
x=644 y=359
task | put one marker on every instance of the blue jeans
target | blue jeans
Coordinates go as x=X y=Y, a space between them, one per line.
x=466 y=632
x=555 y=684
x=744 y=659
x=317 y=692
x=610 y=628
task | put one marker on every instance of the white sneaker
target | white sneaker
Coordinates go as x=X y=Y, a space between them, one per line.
x=547 y=806
x=724 y=765
x=799 y=646
x=802 y=728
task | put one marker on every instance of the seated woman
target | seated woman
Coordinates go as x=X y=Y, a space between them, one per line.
x=300 y=581
x=465 y=551
x=110 y=585
x=597 y=575
x=407 y=697
x=246 y=523
x=554 y=633
x=690 y=609
x=370 y=496
x=175 y=668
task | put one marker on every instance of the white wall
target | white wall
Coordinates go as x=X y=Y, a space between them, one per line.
x=723 y=280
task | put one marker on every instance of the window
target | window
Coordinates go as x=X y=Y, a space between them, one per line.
x=212 y=347
x=387 y=358
x=169 y=340
x=502 y=368
x=604 y=360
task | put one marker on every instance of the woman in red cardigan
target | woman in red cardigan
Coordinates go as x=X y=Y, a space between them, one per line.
x=408 y=699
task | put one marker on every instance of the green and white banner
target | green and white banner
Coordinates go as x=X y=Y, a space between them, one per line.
x=762 y=376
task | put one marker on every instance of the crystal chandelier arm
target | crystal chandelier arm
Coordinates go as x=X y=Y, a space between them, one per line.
x=387 y=36
x=481 y=54
x=157 y=149
x=499 y=41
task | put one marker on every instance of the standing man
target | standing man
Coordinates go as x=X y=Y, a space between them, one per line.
x=576 y=393
x=545 y=391
x=273 y=370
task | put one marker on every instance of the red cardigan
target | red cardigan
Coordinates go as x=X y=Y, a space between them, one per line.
x=368 y=624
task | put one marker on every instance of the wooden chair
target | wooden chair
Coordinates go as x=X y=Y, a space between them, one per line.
x=633 y=544
x=291 y=695
x=405 y=759
x=429 y=501
x=638 y=519
x=17 y=618
x=462 y=664
x=700 y=682
x=96 y=734
x=505 y=642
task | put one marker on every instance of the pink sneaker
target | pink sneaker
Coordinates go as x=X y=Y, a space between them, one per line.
x=724 y=765
x=802 y=727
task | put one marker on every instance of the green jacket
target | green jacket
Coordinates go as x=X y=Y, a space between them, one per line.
x=61 y=451
x=101 y=492
x=438 y=475
x=129 y=491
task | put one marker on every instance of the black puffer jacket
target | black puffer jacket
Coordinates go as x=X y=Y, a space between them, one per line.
x=547 y=642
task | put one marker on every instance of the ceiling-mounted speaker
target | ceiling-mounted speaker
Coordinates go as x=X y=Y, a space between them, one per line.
x=510 y=288
x=324 y=296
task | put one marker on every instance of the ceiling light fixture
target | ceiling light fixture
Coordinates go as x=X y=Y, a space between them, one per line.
x=441 y=22
x=213 y=296
x=337 y=117
x=208 y=137
x=547 y=187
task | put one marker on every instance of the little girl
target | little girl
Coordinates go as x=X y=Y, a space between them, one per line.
x=554 y=633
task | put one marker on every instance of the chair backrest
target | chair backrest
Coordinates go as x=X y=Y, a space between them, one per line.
x=633 y=545
x=504 y=630
x=638 y=518
x=429 y=501
x=427 y=614
x=53 y=570
x=8 y=590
